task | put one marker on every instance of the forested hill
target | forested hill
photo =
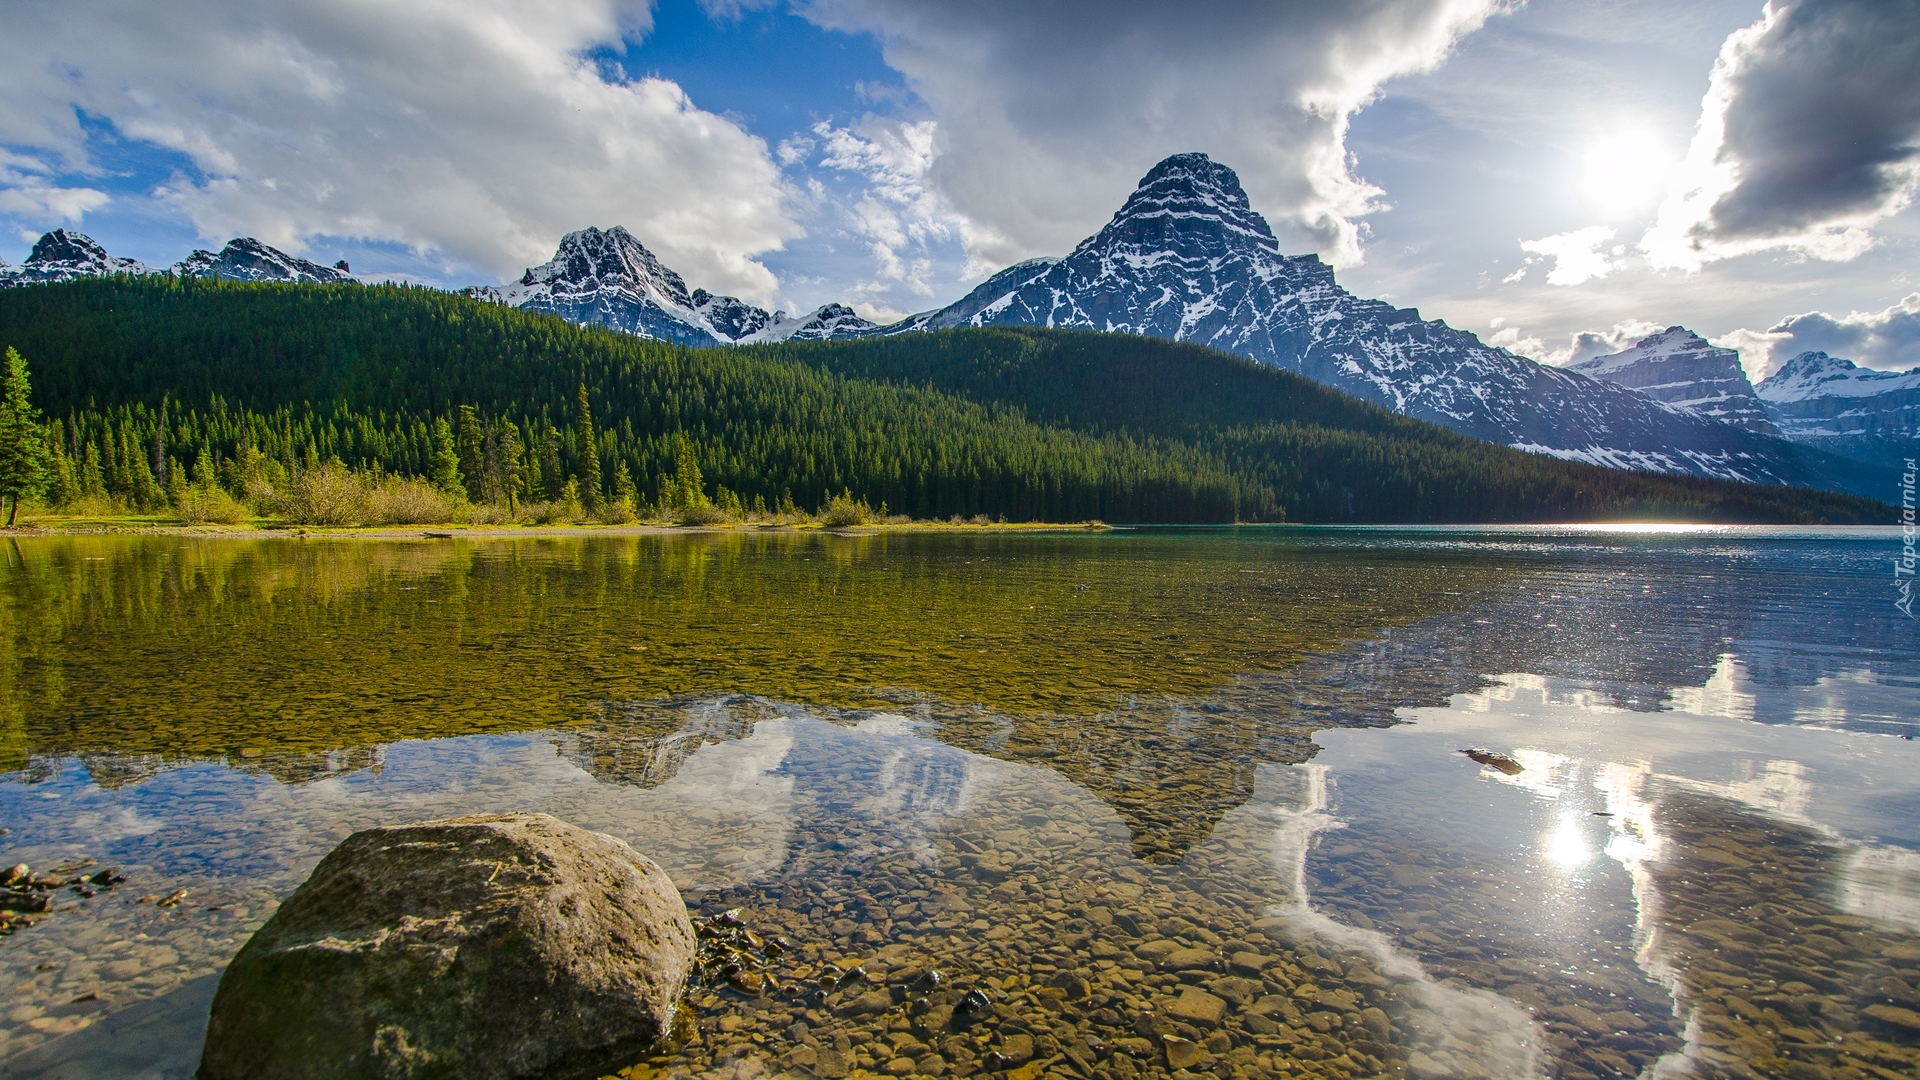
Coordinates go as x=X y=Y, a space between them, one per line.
x=1028 y=424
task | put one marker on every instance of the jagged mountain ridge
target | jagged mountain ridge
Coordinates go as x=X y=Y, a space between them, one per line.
x=606 y=277
x=1682 y=368
x=1187 y=258
x=247 y=259
x=65 y=256
x=1835 y=404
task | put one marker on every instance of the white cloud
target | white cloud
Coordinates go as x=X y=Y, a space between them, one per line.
x=1578 y=256
x=1581 y=345
x=473 y=129
x=1885 y=339
x=1807 y=137
x=1756 y=349
x=895 y=212
x=1050 y=113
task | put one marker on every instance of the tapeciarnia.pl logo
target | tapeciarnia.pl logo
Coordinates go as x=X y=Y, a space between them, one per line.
x=1904 y=565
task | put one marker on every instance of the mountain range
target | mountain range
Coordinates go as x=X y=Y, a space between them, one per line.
x=611 y=279
x=1186 y=258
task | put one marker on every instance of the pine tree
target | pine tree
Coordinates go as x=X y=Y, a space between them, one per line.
x=473 y=454
x=23 y=450
x=443 y=470
x=625 y=495
x=589 y=456
x=553 y=478
x=160 y=474
x=512 y=463
x=689 y=488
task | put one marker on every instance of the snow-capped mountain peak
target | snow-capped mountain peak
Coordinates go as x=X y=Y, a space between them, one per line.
x=1835 y=404
x=829 y=322
x=1815 y=374
x=247 y=259
x=608 y=277
x=65 y=256
x=1682 y=368
x=1187 y=258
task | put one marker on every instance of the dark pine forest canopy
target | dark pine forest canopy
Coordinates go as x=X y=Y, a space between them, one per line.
x=1025 y=424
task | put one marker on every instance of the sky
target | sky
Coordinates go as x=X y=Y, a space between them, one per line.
x=1558 y=176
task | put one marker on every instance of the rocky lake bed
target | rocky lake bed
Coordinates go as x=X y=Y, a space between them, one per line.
x=1234 y=835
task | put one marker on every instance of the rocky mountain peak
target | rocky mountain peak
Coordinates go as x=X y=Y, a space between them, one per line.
x=1832 y=403
x=1685 y=370
x=63 y=256
x=247 y=259
x=1809 y=365
x=1188 y=205
x=590 y=259
x=61 y=246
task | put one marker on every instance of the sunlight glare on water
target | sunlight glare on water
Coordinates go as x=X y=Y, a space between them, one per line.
x=1090 y=776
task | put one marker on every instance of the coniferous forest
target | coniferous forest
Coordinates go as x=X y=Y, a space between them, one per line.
x=160 y=392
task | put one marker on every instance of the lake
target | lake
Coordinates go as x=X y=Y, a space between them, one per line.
x=1171 y=799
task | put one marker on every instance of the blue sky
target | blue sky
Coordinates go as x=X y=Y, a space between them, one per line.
x=1532 y=172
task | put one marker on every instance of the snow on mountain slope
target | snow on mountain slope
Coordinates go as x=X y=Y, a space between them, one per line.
x=1681 y=368
x=247 y=259
x=829 y=322
x=65 y=256
x=609 y=278
x=1187 y=258
x=1857 y=412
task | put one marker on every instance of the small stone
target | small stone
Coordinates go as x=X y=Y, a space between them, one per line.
x=1180 y=1052
x=1196 y=1006
x=1894 y=1015
x=871 y=1003
x=1015 y=1050
x=1188 y=960
x=1251 y=963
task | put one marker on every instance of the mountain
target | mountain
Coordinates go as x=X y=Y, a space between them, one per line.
x=247 y=259
x=609 y=278
x=1834 y=404
x=65 y=256
x=1027 y=423
x=1187 y=258
x=1681 y=368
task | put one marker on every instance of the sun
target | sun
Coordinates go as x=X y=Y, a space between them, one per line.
x=1624 y=172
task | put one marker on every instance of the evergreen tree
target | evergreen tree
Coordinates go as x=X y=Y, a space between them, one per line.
x=626 y=495
x=589 y=456
x=443 y=469
x=511 y=462
x=23 y=449
x=689 y=488
x=553 y=478
x=473 y=455
x=160 y=473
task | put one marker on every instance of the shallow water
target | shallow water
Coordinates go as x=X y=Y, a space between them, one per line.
x=1118 y=782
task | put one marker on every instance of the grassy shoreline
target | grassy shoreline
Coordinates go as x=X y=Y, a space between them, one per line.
x=160 y=525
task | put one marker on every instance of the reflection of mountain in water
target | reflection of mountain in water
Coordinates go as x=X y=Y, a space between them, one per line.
x=644 y=743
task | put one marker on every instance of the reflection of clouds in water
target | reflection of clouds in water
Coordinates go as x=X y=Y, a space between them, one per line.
x=117 y=824
x=1780 y=789
x=1882 y=883
x=1725 y=693
x=1464 y=1032
x=1708 y=745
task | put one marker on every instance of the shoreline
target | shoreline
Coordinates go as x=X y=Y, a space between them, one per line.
x=160 y=527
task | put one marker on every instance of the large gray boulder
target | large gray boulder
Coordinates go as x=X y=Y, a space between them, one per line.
x=499 y=946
